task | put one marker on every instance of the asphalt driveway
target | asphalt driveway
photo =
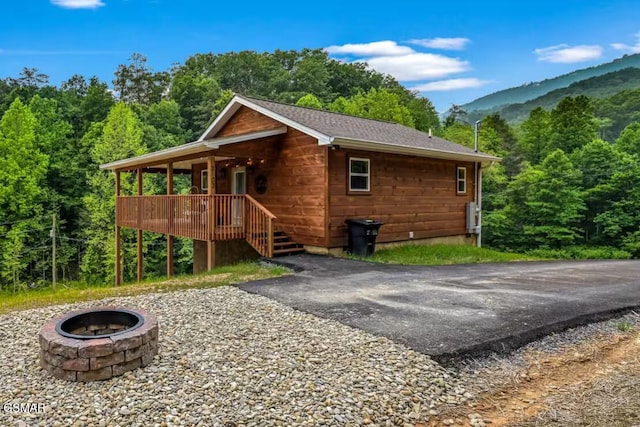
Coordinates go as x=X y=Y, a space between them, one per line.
x=447 y=311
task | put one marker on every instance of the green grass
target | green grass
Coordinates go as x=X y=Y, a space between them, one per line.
x=74 y=292
x=625 y=326
x=443 y=255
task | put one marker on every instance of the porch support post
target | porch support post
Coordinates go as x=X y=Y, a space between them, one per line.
x=139 y=239
x=170 y=218
x=118 y=271
x=211 y=205
x=211 y=169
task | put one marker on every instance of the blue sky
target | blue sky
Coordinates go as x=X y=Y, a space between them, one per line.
x=451 y=51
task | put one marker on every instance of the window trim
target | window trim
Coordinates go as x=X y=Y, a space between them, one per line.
x=351 y=174
x=459 y=180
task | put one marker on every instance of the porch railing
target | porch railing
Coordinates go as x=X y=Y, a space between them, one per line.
x=200 y=217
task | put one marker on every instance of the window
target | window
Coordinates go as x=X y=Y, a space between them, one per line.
x=204 y=180
x=462 y=180
x=359 y=174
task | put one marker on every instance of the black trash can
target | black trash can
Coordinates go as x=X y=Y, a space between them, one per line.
x=362 y=236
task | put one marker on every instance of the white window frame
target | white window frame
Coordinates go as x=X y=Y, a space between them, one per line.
x=462 y=169
x=368 y=174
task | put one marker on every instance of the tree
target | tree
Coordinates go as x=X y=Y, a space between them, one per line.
x=196 y=96
x=629 y=139
x=137 y=83
x=310 y=74
x=544 y=205
x=573 y=123
x=377 y=104
x=425 y=116
x=621 y=220
x=598 y=161
x=250 y=73
x=121 y=137
x=536 y=136
x=347 y=79
x=64 y=178
x=310 y=101
x=455 y=114
x=76 y=84
x=31 y=78
x=97 y=103
x=22 y=176
x=503 y=142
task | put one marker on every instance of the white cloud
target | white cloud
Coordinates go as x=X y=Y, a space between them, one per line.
x=633 y=49
x=453 y=43
x=381 y=48
x=78 y=4
x=417 y=66
x=451 y=84
x=566 y=54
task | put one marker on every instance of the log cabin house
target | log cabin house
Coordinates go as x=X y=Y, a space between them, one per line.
x=272 y=179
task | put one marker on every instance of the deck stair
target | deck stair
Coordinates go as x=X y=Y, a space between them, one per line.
x=283 y=245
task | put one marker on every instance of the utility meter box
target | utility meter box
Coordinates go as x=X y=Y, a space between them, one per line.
x=472 y=216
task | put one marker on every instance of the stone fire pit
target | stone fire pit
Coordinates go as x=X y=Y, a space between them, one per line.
x=98 y=343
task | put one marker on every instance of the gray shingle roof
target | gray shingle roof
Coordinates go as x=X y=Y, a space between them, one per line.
x=361 y=129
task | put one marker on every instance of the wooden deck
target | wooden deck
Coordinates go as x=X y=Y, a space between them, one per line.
x=201 y=217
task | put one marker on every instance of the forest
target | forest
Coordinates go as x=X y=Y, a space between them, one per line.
x=567 y=186
x=532 y=90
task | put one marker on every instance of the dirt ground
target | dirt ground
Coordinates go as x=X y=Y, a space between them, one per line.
x=596 y=383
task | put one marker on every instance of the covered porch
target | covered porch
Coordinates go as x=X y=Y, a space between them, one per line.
x=216 y=208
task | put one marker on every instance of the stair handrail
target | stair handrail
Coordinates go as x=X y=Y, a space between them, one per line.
x=270 y=217
x=261 y=207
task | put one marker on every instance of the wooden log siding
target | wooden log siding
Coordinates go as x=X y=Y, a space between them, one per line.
x=295 y=171
x=246 y=120
x=295 y=189
x=408 y=194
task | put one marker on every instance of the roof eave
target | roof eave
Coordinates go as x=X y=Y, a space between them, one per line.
x=168 y=153
x=190 y=148
x=413 y=151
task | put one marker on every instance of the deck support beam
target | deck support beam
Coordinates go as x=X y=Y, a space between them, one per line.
x=170 y=218
x=211 y=244
x=139 y=237
x=211 y=255
x=118 y=272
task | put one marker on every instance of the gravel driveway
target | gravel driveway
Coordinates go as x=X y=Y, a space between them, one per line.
x=229 y=358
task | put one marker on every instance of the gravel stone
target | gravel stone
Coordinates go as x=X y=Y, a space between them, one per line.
x=229 y=358
x=488 y=372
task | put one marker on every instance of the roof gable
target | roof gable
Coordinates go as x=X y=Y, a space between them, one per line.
x=237 y=102
x=336 y=128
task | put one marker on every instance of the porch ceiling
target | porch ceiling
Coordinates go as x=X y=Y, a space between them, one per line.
x=186 y=155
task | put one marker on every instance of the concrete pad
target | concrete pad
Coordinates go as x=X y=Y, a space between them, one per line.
x=450 y=311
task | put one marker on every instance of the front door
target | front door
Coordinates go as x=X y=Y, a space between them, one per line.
x=238 y=186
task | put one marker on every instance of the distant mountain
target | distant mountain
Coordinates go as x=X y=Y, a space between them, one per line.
x=603 y=86
x=518 y=95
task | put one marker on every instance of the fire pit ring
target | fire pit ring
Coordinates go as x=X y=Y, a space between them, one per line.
x=98 y=343
x=85 y=325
